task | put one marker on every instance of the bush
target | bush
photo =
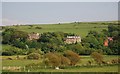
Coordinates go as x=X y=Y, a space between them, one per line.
x=115 y=61
x=38 y=27
x=52 y=59
x=65 y=61
x=32 y=50
x=72 y=56
x=9 y=58
x=9 y=50
x=35 y=56
x=97 y=57
x=7 y=53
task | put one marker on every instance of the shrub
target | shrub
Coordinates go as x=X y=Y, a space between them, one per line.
x=65 y=61
x=97 y=57
x=9 y=58
x=38 y=27
x=114 y=61
x=32 y=50
x=7 y=53
x=89 y=62
x=35 y=56
x=11 y=50
x=72 y=56
x=52 y=59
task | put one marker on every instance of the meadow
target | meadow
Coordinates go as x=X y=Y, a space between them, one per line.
x=82 y=64
x=80 y=29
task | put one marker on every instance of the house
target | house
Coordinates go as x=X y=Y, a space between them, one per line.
x=72 y=39
x=33 y=36
x=106 y=42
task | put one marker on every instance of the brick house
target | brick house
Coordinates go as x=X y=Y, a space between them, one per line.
x=72 y=39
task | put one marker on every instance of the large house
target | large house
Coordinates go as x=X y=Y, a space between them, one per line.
x=33 y=36
x=72 y=39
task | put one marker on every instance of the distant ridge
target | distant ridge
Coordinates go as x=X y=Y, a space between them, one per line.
x=65 y=23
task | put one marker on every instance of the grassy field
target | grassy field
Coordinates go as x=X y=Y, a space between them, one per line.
x=113 y=68
x=22 y=62
x=81 y=29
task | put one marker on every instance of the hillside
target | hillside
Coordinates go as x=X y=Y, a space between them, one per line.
x=78 y=28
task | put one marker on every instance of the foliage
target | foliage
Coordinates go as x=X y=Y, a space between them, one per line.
x=33 y=44
x=32 y=50
x=80 y=49
x=64 y=61
x=72 y=56
x=38 y=27
x=35 y=56
x=53 y=41
x=94 y=40
x=114 y=31
x=56 y=60
x=98 y=57
x=8 y=50
x=75 y=47
x=52 y=59
x=14 y=37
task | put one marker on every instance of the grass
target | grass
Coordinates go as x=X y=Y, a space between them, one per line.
x=113 y=68
x=85 y=59
x=23 y=62
x=81 y=29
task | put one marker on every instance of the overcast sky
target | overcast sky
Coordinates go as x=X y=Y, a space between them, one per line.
x=57 y=12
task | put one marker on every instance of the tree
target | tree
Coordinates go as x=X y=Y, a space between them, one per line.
x=52 y=59
x=93 y=42
x=52 y=41
x=33 y=44
x=64 y=61
x=97 y=57
x=14 y=37
x=72 y=56
x=75 y=47
x=114 y=32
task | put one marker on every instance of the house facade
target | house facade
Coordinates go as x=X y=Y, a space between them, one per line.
x=33 y=36
x=72 y=39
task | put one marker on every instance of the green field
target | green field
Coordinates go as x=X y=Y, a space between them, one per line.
x=23 y=62
x=113 y=68
x=84 y=59
x=81 y=29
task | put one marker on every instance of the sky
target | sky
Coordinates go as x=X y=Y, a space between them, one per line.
x=57 y=12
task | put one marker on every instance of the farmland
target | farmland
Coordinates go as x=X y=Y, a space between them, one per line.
x=84 y=59
x=78 y=28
